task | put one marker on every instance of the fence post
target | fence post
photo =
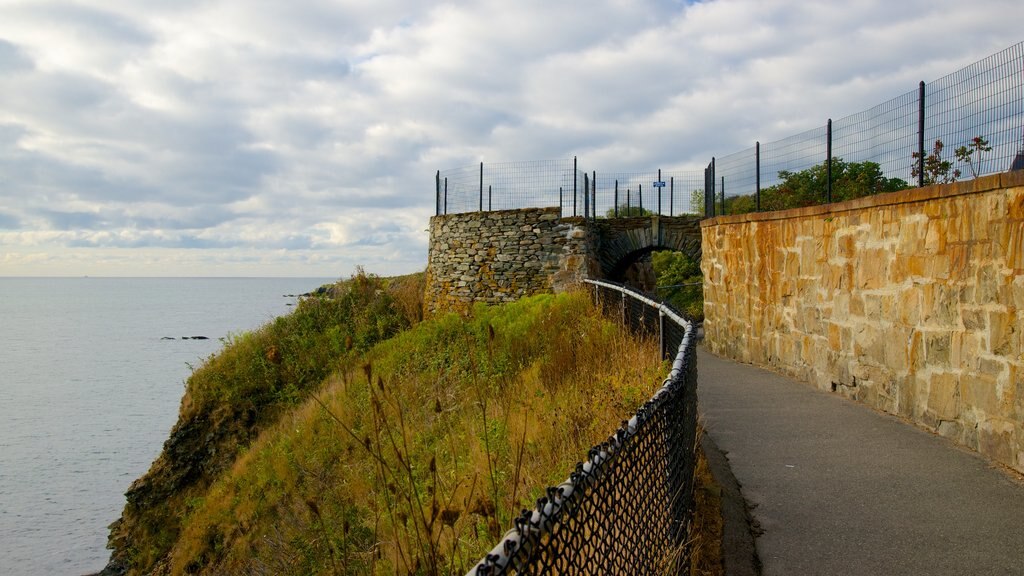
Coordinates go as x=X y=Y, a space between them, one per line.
x=586 y=195
x=671 y=194
x=659 y=192
x=574 y=169
x=920 y=134
x=628 y=207
x=437 y=193
x=640 y=195
x=757 y=172
x=593 y=184
x=624 y=323
x=561 y=205
x=661 y=330
x=481 y=186
x=723 y=195
x=828 y=160
x=616 y=198
x=709 y=189
x=446 y=195
x=490 y=198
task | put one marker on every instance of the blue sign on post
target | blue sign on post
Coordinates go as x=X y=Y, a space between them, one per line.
x=659 y=184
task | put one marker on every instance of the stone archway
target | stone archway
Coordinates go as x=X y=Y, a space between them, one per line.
x=625 y=241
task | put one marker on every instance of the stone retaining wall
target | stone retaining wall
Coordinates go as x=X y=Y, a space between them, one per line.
x=495 y=257
x=911 y=302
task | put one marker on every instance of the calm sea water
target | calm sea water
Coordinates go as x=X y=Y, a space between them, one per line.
x=88 y=392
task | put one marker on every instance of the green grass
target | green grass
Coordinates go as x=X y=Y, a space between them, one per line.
x=234 y=395
x=414 y=456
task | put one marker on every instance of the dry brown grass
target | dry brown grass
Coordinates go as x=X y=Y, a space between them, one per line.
x=707 y=527
x=416 y=459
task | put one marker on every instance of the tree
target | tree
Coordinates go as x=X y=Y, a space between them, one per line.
x=697 y=201
x=935 y=170
x=680 y=282
x=809 y=187
x=966 y=153
x=626 y=212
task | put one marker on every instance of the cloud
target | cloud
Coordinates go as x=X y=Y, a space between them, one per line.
x=303 y=137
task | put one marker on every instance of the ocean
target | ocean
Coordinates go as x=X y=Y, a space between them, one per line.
x=92 y=371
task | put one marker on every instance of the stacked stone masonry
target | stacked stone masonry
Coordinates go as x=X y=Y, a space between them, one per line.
x=495 y=257
x=911 y=302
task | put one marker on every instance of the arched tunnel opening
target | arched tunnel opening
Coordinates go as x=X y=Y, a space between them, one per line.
x=665 y=274
x=636 y=270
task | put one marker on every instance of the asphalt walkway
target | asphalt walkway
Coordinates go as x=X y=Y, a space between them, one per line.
x=837 y=488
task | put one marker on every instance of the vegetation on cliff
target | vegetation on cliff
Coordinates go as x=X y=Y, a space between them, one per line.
x=236 y=394
x=336 y=441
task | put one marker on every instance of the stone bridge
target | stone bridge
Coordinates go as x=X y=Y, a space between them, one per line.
x=502 y=256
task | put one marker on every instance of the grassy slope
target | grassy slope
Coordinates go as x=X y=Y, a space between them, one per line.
x=408 y=456
x=235 y=395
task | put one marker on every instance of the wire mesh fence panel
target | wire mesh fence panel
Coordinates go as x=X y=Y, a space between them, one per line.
x=623 y=194
x=627 y=509
x=792 y=154
x=986 y=100
x=506 y=186
x=886 y=135
x=736 y=174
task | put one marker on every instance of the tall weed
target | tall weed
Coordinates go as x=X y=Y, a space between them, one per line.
x=230 y=398
x=416 y=459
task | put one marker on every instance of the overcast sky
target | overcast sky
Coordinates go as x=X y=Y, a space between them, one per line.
x=301 y=137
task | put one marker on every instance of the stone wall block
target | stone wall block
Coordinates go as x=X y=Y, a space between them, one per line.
x=907 y=303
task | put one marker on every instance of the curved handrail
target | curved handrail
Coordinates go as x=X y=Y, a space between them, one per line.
x=515 y=546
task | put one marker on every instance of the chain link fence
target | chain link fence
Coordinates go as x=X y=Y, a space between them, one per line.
x=627 y=508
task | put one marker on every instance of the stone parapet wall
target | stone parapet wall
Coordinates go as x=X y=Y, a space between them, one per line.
x=495 y=257
x=911 y=302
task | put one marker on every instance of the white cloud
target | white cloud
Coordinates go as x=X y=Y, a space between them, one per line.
x=260 y=137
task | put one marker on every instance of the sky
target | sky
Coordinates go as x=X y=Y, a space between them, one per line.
x=301 y=137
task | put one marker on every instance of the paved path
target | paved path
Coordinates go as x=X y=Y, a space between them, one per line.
x=838 y=488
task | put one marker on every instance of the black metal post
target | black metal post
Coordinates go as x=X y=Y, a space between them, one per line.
x=586 y=195
x=709 y=191
x=574 y=169
x=661 y=327
x=628 y=210
x=640 y=196
x=671 y=194
x=659 y=192
x=723 y=195
x=709 y=208
x=757 y=172
x=616 y=198
x=481 y=186
x=624 y=320
x=828 y=160
x=446 y=195
x=490 y=198
x=920 y=134
x=437 y=193
x=593 y=184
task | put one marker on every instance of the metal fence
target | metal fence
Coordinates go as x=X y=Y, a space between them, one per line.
x=985 y=99
x=626 y=509
x=486 y=187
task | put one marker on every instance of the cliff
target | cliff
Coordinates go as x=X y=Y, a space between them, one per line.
x=343 y=439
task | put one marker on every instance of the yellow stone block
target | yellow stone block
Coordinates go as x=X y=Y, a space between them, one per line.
x=944 y=396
